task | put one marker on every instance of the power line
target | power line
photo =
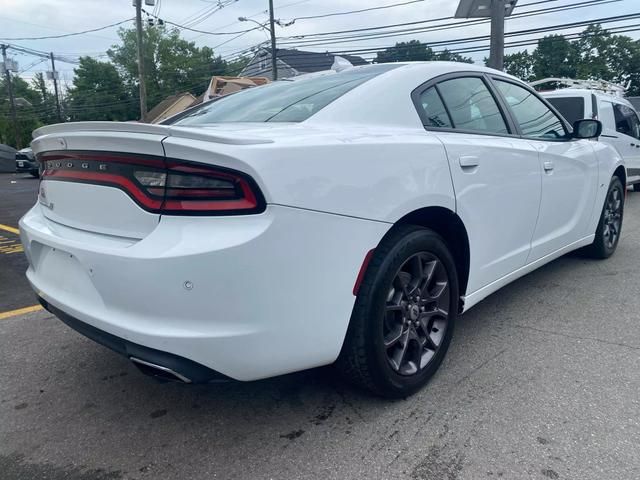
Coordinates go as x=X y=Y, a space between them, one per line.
x=69 y=34
x=335 y=14
x=530 y=31
x=456 y=24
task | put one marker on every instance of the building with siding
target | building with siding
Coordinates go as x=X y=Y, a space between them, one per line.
x=293 y=62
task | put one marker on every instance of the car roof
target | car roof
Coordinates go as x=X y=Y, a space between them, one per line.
x=392 y=89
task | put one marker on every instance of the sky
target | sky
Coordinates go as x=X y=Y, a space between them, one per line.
x=31 y=18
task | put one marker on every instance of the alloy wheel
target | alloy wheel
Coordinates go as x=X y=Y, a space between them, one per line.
x=612 y=217
x=417 y=313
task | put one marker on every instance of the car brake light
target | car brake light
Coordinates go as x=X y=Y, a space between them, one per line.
x=159 y=185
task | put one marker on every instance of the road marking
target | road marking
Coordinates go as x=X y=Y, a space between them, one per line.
x=10 y=245
x=19 y=311
x=9 y=229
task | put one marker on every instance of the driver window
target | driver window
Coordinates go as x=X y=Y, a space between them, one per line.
x=536 y=120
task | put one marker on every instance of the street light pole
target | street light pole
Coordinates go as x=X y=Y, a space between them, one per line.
x=274 y=60
x=496 y=52
x=143 y=89
x=497 y=10
x=12 y=100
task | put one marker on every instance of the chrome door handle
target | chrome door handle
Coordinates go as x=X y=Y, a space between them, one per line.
x=548 y=166
x=468 y=161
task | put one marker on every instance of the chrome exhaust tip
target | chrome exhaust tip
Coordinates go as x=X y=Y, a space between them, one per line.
x=158 y=371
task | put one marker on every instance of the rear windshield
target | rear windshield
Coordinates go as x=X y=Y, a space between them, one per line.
x=571 y=108
x=283 y=101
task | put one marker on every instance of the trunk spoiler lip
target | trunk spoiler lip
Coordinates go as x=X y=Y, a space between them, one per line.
x=166 y=130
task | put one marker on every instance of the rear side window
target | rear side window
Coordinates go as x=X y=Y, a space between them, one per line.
x=571 y=108
x=435 y=113
x=626 y=120
x=536 y=120
x=471 y=106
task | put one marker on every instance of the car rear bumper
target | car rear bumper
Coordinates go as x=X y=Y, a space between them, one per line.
x=248 y=297
x=183 y=369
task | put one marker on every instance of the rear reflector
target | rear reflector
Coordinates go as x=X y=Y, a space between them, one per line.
x=363 y=270
x=159 y=185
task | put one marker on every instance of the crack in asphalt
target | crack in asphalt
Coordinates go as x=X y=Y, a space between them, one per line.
x=577 y=337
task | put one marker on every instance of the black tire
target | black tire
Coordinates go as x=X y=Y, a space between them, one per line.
x=636 y=187
x=35 y=174
x=364 y=359
x=610 y=223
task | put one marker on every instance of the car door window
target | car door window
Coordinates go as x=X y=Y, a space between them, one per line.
x=435 y=113
x=536 y=120
x=626 y=120
x=471 y=106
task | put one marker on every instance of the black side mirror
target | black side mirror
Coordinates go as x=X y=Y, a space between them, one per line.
x=587 y=128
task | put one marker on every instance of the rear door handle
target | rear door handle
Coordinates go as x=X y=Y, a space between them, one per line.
x=468 y=161
x=548 y=166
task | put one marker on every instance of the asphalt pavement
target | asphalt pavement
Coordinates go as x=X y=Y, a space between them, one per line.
x=18 y=192
x=542 y=381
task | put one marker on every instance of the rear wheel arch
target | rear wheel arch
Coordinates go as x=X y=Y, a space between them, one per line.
x=621 y=173
x=451 y=228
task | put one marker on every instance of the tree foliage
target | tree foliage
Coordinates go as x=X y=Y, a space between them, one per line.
x=27 y=112
x=171 y=64
x=416 y=51
x=99 y=93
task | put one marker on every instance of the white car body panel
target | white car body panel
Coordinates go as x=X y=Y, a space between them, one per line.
x=405 y=170
x=272 y=292
x=569 y=187
x=497 y=200
x=230 y=321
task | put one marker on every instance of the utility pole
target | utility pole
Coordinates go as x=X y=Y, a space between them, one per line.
x=272 y=31
x=54 y=76
x=12 y=101
x=496 y=52
x=143 y=90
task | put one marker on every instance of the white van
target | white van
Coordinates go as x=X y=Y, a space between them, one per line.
x=602 y=101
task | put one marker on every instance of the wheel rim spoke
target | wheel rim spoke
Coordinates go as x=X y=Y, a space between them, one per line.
x=416 y=313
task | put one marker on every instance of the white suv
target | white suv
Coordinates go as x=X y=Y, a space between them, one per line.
x=602 y=101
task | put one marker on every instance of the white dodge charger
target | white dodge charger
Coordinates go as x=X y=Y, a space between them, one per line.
x=347 y=217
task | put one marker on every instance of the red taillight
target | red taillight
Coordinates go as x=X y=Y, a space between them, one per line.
x=159 y=185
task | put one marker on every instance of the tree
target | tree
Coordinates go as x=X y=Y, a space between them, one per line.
x=99 y=93
x=448 y=56
x=519 y=64
x=26 y=112
x=416 y=51
x=46 y=103
x=555 y=57
x=172 y=65
x=614 y=58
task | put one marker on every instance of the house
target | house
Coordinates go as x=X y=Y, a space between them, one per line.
x=221 y=86
x=170 y=106
x=293 y=62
